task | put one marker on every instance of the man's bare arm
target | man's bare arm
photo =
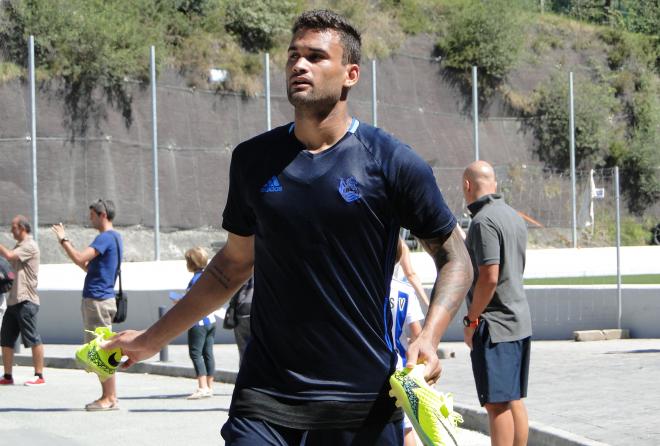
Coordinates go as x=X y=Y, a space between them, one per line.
x=452 y=283
x=7 y=253
x=224 y=275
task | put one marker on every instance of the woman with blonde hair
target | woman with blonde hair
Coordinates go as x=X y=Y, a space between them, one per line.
x=202 y=334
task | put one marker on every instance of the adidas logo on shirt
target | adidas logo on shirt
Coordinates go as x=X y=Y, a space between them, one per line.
x=272 y=185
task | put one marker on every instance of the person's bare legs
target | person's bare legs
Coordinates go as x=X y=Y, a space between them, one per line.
x=520 y=423
x=38 y=358
x=109 y=388
x=409 y=437
x=500 y=420
x=209 y=383
x=202 y=382
x=8 y=359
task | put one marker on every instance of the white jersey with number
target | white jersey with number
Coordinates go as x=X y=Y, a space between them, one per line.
x=405 y=310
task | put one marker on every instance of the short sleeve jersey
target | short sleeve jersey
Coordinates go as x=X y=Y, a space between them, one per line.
x=26 y=268
x=326 y=228
x=405 y=310
x=498 y=236
x=102 y=270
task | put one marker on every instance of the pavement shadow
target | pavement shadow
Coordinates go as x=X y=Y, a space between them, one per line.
x=648 y=350
x=178 y=396
x=41 y=409
x=208 y=409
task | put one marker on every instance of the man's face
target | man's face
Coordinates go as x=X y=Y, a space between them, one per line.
x=95 y=219
x=315 y=74
x=16 y=229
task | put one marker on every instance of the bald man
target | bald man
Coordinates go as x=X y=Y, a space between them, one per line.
x=497 y=327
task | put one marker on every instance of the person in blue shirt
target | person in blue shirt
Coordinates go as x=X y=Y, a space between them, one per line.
x=100 y=260
x=314 y=209
x=202 y=334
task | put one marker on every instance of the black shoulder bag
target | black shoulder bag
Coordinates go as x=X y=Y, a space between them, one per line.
x=120 y=298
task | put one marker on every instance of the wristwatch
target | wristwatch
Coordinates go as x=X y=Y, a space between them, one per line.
x=468 y=323
x=63 y=239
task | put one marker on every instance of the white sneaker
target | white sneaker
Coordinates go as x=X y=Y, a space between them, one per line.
x=209 y=393
x=197 y=394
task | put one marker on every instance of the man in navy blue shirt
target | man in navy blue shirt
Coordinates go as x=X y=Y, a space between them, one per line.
x=100 y=261
x=315 y=207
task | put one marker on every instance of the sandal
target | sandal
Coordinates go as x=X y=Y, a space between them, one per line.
x=96 y=406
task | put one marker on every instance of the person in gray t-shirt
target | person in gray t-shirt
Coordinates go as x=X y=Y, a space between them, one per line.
x=497 y=327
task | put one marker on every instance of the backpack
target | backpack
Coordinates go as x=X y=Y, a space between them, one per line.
x=7 y=276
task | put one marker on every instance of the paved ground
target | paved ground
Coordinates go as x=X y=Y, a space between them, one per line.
x=154 y=411
x=604 y=391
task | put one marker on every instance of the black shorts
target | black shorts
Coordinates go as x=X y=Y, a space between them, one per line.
x=501 y=369
x=241 y=431
x=20 y=318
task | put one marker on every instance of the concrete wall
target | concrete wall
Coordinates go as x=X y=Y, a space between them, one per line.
x=580 y=262
x=559 y=311
x=60 y=321
x=556 y=311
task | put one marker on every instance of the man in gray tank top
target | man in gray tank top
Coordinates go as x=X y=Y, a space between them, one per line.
x=497 y=327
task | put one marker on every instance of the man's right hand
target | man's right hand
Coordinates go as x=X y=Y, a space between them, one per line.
x=133 y=344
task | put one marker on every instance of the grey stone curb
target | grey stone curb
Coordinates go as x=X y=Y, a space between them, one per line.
x=225 y=376
x=476 y=419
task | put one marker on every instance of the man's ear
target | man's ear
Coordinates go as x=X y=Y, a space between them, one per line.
x=352 y=75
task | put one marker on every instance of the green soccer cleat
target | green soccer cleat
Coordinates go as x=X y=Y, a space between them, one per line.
x=94 y=359
x=431 y=412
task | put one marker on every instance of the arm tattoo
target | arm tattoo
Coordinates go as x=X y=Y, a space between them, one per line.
x=219 y=275
x=454 y=270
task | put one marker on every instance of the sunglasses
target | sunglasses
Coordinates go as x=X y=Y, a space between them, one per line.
x=105 y=208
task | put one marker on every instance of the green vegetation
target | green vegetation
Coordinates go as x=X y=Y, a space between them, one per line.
x=257 y=24
x=488 y=35
x=642 y=279
x=594 y=104
x=638 y=16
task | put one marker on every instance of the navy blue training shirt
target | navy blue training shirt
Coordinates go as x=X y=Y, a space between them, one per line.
x=326 y=228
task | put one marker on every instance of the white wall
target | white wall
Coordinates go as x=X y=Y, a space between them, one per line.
x=556 y=311
x=569 y=262
x=147 y=284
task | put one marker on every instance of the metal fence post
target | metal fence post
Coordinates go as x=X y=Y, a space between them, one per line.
x=618 y=243
x=267 y=82
x=33 y=139
x=475 y=112
x=374 y=94
x=154 y=131
x=164 y=353
x=571 y=124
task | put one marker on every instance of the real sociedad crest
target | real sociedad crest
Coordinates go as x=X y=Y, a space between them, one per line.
x=348 y=189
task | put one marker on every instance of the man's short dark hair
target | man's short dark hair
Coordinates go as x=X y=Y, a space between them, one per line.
x=323 y=19
x=24 y=223
x=106 y=206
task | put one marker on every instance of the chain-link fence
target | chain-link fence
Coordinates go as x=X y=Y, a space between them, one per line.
x=198 y=129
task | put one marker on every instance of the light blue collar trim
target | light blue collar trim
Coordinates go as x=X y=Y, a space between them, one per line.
x=351 y=128
x=354 y=125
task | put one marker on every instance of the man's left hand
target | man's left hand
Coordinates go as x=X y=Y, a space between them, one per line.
x=422 y=351
x=59 y=231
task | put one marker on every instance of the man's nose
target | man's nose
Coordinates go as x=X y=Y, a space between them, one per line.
x=300 y=66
